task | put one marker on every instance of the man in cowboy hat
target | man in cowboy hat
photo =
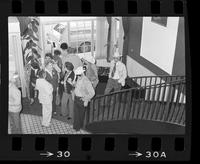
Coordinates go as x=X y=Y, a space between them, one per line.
x=117 y=74
x=91 y=69
x=83 y=94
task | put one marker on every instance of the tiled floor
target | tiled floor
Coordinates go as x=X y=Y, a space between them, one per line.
x=31 y=124
x=31 y=117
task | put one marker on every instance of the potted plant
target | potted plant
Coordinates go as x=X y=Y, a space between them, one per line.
x=29 y=27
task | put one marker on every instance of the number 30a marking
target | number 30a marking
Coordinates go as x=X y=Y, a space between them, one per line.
x=155 y=154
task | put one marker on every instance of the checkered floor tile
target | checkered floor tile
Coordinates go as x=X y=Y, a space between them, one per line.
x=31 y=124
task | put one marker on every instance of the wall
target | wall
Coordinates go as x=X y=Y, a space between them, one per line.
x=158 y=42
x=148 y=66
x=179 y=59
x=15 y=53
x=136 y=69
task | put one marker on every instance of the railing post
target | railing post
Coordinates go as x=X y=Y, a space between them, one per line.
x=87 y=115
x=128 y=104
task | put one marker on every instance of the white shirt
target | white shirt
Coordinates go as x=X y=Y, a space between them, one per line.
x=50 y=72
x=57 y=68
x=14 y=99
x=45 y=91
x=120 y=73
x=84 y=89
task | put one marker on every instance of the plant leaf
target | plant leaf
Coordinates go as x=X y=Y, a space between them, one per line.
x=35 y=39
x=34 y=27
x=23 y=22
x=25 y=32
x=34 y=44
x=34 y=51
x=27 y=38
x=30 y=32
x=36 y=22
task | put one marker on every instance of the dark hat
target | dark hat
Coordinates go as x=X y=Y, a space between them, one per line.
x=36 y=53
x=64 y=46
x=35 y=65
x=57 y=52
x=49 y=55
x=69 y=66
x=41 y=73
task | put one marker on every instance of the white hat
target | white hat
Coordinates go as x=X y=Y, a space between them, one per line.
x=79 y=70
x=81 y=55
x=116 y=54
x=88 y=57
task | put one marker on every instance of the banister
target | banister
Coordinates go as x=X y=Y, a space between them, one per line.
x=133 y=88
x=162 y=101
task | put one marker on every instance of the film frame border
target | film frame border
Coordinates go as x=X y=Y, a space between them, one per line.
x=25 y=151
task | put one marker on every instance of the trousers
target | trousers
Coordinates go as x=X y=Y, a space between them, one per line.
x=67 y=105
x=79 y=113
x=15 y=123
x=54 y=101
x=46 y=114
x=112 y=84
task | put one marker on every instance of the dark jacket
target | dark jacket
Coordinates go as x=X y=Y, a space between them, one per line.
x=53 y=79
x=69 y=87
x=34 y=70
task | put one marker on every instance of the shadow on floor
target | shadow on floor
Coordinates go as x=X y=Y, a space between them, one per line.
x=135 y=127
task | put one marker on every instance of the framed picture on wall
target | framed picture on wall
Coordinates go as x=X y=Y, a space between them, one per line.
x=160 y=20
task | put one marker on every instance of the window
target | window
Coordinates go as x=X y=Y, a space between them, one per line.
x=82 y=36
x=117 y=31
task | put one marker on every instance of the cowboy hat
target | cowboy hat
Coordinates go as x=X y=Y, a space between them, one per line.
x=88 y=57
x=79 y=70
x=117 y=54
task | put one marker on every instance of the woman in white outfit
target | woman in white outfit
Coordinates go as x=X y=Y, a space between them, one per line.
x=45 y=98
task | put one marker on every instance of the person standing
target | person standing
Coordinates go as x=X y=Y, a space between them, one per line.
x=35 y=67
x=57 y=58
x=52 y=77
x=84 y=92
x=58 y=61
x=67 y=103
x=14 y=106
x=72 y=58
x=117 y=74
x=91 y=69
x=45 y=97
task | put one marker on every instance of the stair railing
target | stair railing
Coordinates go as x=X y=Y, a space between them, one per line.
x=158 y=101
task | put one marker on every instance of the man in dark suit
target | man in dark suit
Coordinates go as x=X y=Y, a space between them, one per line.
x=35 y=67
x=52 y=77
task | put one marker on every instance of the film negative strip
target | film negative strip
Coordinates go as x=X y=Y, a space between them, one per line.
x=95 y=80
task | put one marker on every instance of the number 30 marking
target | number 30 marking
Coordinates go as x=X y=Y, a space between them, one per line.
x=65 y=154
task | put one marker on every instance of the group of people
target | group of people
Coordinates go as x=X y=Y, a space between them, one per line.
x=70 y=78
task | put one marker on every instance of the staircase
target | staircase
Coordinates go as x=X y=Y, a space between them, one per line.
x=151 y=104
